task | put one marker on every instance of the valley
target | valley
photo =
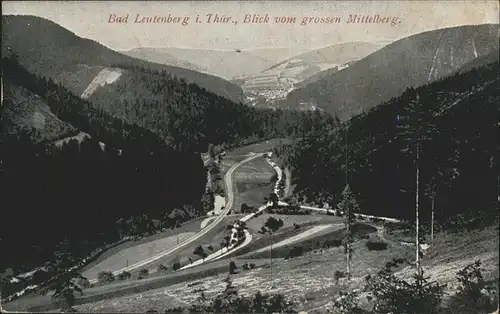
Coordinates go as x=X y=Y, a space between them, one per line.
x=357 y=177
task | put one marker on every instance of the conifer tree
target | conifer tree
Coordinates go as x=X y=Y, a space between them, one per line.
x=414 y=127
x=348 y=206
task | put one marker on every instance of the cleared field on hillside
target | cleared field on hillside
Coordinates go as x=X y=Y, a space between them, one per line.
x=213 y=238
x=255 y=224
x=253 y=183
x=136 y=254
x=191 y=226
x=307 y=279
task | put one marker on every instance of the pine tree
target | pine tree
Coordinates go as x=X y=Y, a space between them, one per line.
x=414 y=127
x=349 y=207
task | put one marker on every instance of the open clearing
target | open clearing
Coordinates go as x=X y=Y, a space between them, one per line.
x=253 y=182
x=191 y=226
x=305 y=279
x=213 y=238
x=316 y=230
x=136 y=254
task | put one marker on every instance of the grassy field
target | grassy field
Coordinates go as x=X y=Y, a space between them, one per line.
x=255 y=224
x=305 y=279
x=191 y=226
x=314 y=242
x=254 y=182
x=136 y=254
x=212 y=238
x=308 y=279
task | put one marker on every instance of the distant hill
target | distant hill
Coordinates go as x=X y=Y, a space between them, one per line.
x=152 y=54
x=223 y=63
x=47 y=49
x=279 y=79
x=274 y=55
x=411 y=61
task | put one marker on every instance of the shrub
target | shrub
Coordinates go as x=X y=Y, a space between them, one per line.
x=105 y=277
x=394 y=295
x=124 y=275
x=245 y=266
x=347 y=303
x=210 y=247
x=473 y=295
x=296 y=226
x=162 y=268
x=332 y=243
x=229 y=301
x=176 y=266
x=232 y=268
x=40 y=276
x=338 y=274
x=273 y=223
x=83 y=283
x=294 y=252
x=252 y=265
x=143 y=273
x=376 y=246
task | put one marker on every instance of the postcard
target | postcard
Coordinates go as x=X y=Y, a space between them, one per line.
x=249 y=156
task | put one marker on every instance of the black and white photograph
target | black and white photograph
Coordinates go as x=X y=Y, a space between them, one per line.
x=250 y=157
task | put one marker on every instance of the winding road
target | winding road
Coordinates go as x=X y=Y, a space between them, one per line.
x=228 y=179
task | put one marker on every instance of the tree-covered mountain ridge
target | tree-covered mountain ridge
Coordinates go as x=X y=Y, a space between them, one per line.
x=409 y=62
x=48 y=49
x=458 y=157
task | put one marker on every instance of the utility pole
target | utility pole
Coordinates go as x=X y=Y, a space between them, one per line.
x=346 y=180
x=432 y=220
x=417 y=215
x=271 y=258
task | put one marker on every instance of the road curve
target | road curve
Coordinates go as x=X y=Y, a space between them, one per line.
x=228 y=179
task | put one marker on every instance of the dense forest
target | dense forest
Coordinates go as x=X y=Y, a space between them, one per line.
x=189 y=117
x=133 y=175
x=452 y=123
x=78 y=191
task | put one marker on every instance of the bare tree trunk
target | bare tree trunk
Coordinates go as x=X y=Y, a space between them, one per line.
x=417 y=214
x=432 y=220
x=271 y=258
x=348 y=260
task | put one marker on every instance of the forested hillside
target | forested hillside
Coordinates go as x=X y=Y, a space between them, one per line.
x=45 y=48
x=454 y=125
x=190 y=117
x=409 y=62
x=76 y=194
x=124 y=179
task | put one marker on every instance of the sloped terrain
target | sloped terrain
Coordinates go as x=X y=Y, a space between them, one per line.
x=459 y=154
x=156 y=55
x=47 y=49
x=409 y=62
x=24 y=112
x=275 y=82
x=222 y=63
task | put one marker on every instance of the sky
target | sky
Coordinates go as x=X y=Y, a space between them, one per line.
x=90 y=19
